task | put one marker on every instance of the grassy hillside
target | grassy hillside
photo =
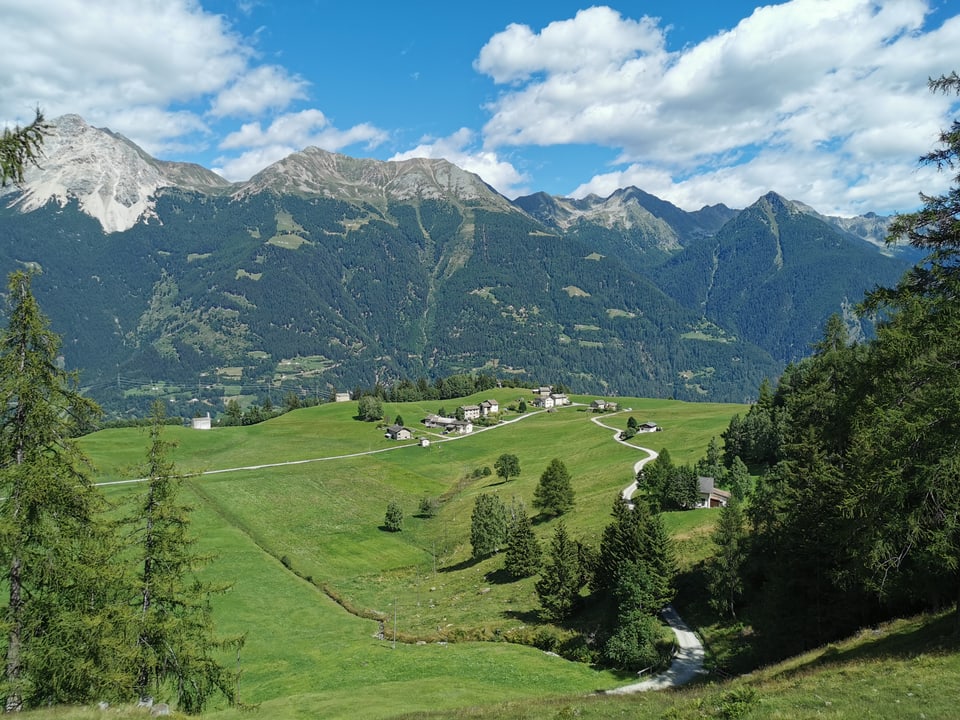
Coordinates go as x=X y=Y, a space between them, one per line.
x=905 y=669
x=290 y=538
x=293 y=538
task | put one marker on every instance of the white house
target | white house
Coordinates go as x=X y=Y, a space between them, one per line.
x=489 y=407
x=201 y=423
x=649 y=427
x=559 y=399
x=544 y=401
x=398 y=432
x=341 y=397
x=710 y=496
x=470 y=412
x=460 y=427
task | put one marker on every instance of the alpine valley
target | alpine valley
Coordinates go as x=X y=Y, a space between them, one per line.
x=325 y=271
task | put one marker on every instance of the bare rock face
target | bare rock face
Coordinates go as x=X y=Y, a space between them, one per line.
x=316 y=172
x=116 y=182
x=113 y=180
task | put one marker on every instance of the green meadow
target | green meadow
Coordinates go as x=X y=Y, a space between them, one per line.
x=292 y=510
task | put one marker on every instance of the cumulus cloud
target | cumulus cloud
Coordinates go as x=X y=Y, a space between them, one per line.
x=164 y=73
x=116 y=62
x=819 y=84
x=264 y=88
x=461 y=149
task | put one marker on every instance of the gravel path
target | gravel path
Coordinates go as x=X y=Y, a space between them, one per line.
x=688 y=662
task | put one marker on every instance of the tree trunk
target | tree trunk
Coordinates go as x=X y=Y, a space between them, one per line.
x=14 y=702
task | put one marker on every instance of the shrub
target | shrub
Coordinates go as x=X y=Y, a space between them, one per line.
x=428 y=507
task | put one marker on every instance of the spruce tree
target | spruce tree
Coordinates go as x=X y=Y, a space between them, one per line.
x=635 y=536
x=725 y=568
x=175 y=635
x=523 y=556
x=49 y=507
x=560 y=580
x=554 y=493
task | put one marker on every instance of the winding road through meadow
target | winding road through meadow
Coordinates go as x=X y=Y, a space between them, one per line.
x=688 y=661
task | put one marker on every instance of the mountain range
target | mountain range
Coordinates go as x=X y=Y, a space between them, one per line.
x=325 y=271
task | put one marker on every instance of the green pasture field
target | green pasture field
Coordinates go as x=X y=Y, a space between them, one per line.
x=297 y=539
x=905 y=669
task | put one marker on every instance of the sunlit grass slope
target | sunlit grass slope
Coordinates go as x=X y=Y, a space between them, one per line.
x=292 y=536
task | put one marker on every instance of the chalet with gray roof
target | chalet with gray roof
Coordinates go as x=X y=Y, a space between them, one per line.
x=543 y=401
x=710 y=495
x=470 y=412
x=398 y=432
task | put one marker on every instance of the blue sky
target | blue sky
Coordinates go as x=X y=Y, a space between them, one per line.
x=823 y=101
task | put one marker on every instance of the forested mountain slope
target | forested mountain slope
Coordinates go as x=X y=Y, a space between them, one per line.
x=773 y=273
x=374 y=271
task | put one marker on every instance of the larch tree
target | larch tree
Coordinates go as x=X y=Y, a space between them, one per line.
x=49 y=507
x=20 y=148
x=725 y=568
x=175 y=635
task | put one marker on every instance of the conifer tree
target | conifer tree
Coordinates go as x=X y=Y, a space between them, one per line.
x=560 y=580
x=725 y=568
x=632 y=644
x=554 y=492
x=49 y=507
x=488 y=525
x=19 y=148
x=175 y=635
x=635 y=536
x=523 y=555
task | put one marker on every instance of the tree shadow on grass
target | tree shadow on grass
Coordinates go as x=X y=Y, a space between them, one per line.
x=462 y=565
x=923 y=635
x=496 y=483
x=499 y=577
x=527 y=617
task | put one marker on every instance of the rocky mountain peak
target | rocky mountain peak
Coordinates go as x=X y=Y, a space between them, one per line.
x=317 y=172
x=113 y=180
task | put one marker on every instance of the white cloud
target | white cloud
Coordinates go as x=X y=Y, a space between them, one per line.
x=267 y=87
x=460 y=149
x=596 y=38
x=819 y=84
x=101 y=58
x=249 y=163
